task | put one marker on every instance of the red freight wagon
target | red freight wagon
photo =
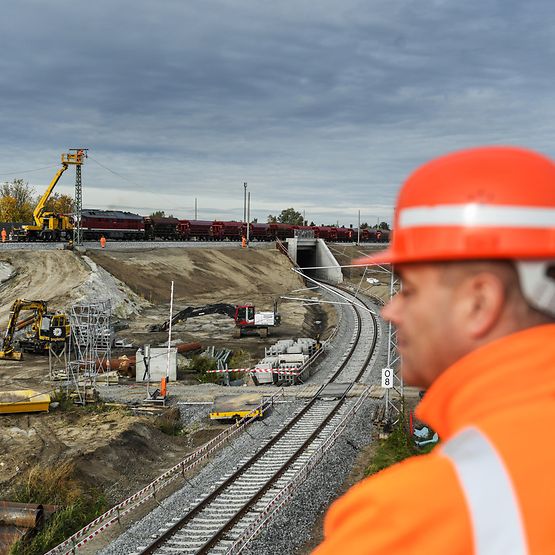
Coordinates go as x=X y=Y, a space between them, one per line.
x=161 y=227
x=326 y=232
x=259 y=232
x=202 y=230
x=344 y=234
x=232 y=230
x=280 y=231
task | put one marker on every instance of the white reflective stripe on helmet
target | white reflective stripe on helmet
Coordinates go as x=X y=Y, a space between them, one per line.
x=494 y=511
x=477 y=215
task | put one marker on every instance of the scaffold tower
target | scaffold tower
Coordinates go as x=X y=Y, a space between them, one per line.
x=90 y=347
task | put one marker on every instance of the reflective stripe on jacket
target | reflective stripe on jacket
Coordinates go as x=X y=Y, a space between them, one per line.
x=489 y=488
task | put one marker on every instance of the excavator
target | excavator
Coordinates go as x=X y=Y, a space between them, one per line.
x=49 y=226
x=45 y=329
x=247 y=320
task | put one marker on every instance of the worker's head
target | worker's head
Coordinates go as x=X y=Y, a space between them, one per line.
x=474 y=246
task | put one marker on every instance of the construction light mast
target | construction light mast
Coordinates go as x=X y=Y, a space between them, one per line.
x=80 y=154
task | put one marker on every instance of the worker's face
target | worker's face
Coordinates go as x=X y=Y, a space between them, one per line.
x=424 y=316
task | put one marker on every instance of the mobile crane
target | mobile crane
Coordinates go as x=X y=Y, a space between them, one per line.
x=46 y=329
x=245 y=316
x=49 y=226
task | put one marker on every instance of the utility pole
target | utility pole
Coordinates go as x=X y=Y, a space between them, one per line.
x=245 y=202
x=248 y=218
x=195 y=208
x=80 y=153
x=358 y=234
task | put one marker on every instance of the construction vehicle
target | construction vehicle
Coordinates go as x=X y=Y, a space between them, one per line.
x=247 y=319
x=43 y=330
x=49 y=226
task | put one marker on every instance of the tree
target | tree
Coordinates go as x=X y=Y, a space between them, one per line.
x=384 y=225
x=20 y=207
x=290 y=216
x=364 y=225
x=7 y=209
x=271 y=219
x=160 y=214
x=59 y=204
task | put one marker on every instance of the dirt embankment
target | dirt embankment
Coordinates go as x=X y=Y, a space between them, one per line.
x=113 y=450
x=208 y=276
x=202 y=275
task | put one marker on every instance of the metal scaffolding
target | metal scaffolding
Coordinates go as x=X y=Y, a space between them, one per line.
x=89 y=347
x=394 y=393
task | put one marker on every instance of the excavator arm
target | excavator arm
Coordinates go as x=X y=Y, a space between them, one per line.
x=194 y=311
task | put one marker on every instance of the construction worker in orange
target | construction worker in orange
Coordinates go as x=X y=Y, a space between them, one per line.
x=4 y=235
x=474 y=246
x=102 y=241
x=243 y=242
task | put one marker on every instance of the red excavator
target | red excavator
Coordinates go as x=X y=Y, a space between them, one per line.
x=247 y=319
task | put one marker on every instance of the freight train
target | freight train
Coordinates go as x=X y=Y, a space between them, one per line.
x=126 y=226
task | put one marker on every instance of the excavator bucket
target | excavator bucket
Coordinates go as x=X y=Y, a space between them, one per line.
x=11 y=355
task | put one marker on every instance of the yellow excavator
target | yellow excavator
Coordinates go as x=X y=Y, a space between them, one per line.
x=44 y=329
x=49 y=226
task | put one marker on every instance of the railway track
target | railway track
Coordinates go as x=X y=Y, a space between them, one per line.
x=240 y=504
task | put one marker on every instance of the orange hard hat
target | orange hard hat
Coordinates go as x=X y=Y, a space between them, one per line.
x=483 y=203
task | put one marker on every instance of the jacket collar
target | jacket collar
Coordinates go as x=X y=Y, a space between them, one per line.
x=515 y=369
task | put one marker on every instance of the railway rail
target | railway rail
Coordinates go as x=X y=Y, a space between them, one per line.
x=238 y=507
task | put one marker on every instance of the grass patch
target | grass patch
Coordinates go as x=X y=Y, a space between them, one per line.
x=201 y=364
x=57 y=485
x=62 y=397
x=396 y=448
x=169 y=422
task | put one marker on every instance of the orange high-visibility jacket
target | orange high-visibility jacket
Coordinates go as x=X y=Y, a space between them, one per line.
x=489 y=487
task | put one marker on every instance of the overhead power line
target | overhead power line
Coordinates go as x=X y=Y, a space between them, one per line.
x=114 y=172
x=27 y=171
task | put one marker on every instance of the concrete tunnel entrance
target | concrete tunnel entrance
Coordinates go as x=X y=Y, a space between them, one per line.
x=315 y=254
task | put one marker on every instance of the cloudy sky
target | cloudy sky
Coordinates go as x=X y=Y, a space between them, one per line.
x=321 y=105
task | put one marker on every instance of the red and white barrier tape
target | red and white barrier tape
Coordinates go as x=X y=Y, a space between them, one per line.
x=288 y=371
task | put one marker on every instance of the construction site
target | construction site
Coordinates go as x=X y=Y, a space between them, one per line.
x=120 y=359
x=105 y=305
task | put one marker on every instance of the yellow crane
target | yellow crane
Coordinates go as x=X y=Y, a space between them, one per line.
x=49 y=226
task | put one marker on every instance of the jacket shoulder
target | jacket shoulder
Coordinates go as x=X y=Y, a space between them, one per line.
x=416 y=506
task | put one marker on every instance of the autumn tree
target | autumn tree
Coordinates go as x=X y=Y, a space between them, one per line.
x=7 y=209
x=59 y=204
x=287 y=216
x=17 y=201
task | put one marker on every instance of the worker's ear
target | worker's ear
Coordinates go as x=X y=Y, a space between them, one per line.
x=480 y=303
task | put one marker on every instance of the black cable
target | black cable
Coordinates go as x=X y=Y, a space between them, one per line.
x=29 y=171
x=114 y=172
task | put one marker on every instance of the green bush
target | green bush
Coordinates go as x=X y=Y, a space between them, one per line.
x=201 y=364
x=397 y=447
